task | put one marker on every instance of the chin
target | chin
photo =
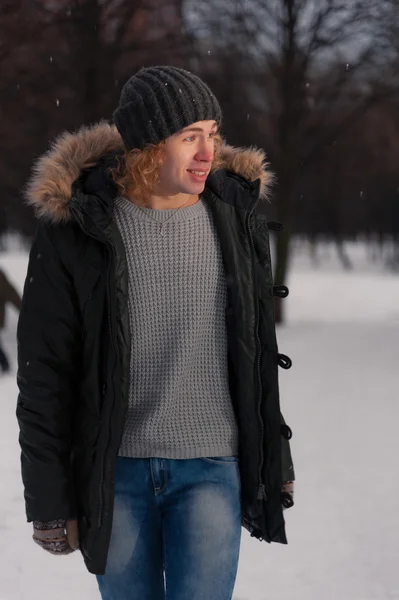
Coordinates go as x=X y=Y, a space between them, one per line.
x=197 y=188
x=192 y=190
x=193 y=187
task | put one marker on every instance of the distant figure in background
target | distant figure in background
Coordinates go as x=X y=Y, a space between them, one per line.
x=8 y=293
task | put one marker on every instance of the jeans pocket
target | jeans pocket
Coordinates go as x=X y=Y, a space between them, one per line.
x=221 y=459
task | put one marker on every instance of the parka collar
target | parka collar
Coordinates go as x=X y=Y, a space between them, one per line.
x=59 y=173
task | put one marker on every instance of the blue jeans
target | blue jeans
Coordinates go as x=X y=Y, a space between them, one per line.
x=176 y=530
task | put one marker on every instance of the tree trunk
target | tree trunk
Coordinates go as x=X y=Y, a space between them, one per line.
x=342 y=254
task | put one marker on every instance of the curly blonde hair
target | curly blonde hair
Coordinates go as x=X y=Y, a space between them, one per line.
x=137 y=172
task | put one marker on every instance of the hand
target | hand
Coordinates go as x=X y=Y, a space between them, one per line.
x=57 y=537
x=287 y=494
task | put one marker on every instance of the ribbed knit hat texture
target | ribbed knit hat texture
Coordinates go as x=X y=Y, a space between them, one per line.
x=160 y=101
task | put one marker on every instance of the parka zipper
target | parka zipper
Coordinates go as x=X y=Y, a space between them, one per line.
x=111 y=333
x=261 y=495
x=86 y=232
x=114 y=350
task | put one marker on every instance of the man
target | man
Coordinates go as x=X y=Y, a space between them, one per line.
x=149 y=407
x=8 y=295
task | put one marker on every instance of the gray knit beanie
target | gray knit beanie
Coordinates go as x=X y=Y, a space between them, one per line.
x=160 y=101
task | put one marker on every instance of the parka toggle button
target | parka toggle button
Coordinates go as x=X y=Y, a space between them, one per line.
x=286 y=431
x=284 y=361
x=281 y=291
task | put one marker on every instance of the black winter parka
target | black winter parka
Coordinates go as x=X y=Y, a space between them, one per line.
x=74 y=340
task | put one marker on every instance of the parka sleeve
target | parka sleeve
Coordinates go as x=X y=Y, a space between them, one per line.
x=48 y=372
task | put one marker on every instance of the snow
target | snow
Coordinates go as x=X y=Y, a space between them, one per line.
x=341 y=400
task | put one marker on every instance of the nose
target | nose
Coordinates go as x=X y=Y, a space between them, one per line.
x=204 y=154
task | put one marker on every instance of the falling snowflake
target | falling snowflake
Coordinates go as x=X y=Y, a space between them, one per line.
x=57 y=102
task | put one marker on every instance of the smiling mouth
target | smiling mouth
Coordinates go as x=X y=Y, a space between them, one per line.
x=200 y=173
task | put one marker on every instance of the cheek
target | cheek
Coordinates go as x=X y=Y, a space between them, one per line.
x=176 y=163
x=173 y=173
x=166 y=169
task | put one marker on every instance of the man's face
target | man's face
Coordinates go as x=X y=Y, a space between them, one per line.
x=188 y=159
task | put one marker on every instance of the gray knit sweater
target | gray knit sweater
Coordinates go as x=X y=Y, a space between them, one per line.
x=179 y=401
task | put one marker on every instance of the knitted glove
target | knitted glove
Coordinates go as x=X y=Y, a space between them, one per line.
x=57 y=537
x=287 y=494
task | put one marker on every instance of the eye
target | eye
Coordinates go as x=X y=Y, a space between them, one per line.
x=189 y=139
x=212 y=134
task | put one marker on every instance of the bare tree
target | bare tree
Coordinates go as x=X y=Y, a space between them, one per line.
x=105 y=41
x=63 y=63
x=311 y=62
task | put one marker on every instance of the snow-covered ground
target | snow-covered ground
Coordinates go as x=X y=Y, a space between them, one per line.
x=341 y=400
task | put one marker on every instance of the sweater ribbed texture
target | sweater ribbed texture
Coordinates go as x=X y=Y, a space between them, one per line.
x=179 y=401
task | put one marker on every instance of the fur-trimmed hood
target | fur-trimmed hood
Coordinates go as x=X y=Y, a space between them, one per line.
x=50 y=187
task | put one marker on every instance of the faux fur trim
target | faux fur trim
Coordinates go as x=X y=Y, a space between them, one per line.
x=49 y=189
x=249 y=163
